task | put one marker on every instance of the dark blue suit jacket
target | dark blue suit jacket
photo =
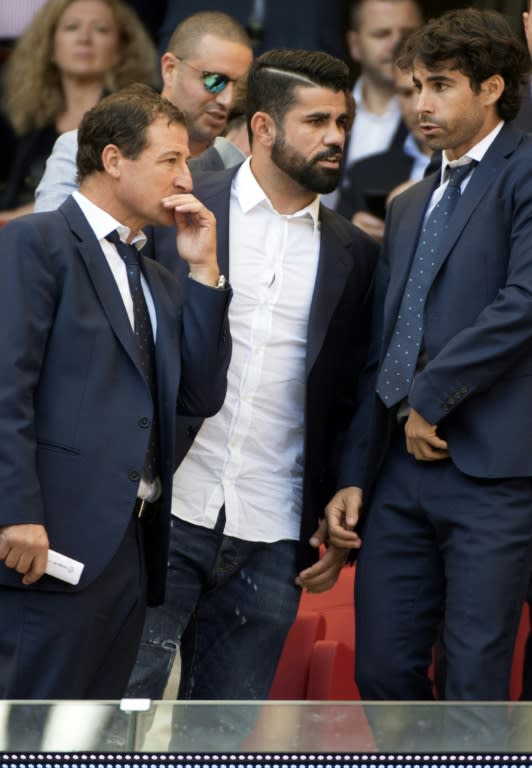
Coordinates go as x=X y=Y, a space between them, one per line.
x=338 y=334
x=74 y=407
x=477 y=384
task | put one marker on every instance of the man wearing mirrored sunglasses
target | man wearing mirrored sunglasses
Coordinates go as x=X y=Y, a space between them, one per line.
x=208 y=52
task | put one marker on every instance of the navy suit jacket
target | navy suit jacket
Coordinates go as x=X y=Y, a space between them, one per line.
x=75 y=409
x=477 y=384
x=338 y=334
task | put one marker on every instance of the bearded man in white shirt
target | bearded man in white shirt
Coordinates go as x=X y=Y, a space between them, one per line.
x=249 y=495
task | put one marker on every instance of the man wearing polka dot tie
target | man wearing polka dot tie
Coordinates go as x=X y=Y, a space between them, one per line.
x=447 y=524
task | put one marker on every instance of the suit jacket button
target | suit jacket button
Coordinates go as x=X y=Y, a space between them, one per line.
x=134 y=475
x=144 y=422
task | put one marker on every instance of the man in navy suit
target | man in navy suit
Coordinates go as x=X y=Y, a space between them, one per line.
x=253 y=486
x=447 y=534
x=93 y=370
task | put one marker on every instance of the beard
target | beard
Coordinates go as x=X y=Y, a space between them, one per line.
x=307 y=173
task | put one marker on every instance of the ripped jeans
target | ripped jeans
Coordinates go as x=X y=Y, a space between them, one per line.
x=229 y=605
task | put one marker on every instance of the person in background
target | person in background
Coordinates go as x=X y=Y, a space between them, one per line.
x=232 y=147
x=98 y=353
x=369 y=182
x=375 y=28
x=69 y=56
x=208 y=54
x=447 y=531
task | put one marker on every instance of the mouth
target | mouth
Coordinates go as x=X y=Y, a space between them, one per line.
x=219 y=118
x=429 y=129
x=331 y=159
x=330 y=163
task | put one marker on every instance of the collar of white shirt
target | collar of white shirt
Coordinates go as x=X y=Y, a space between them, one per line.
x=475 y=153
x=102 y=223
x=250 y=194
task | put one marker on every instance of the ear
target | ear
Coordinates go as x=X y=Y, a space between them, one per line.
x=492 y=89
x=351 y=39
x=168 y=67
x=263 y=128
x=111 y=157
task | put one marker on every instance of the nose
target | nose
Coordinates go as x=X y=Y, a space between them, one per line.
x=225 y=97
x=423 y=105
x=84 y=32
x=183 y=179
x=335 y=134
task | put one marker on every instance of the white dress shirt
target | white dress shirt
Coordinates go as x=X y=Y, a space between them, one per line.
x=249 y=456
x=475 y=153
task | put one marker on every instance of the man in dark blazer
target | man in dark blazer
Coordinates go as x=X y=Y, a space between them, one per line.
x=83 y=406
x=448 y=531
x=245 y=547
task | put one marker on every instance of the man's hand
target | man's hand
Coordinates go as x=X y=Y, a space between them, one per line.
x=196 y=236
x=342 y=514
x=421 y=439
x=323 y=574
x=25 y=548
x=372 y=226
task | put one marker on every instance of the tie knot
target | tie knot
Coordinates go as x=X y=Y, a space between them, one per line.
x=127 y=251
x=457 y=174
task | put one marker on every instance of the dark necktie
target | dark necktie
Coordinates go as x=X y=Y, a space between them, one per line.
x=145 y=345
x=399 y=364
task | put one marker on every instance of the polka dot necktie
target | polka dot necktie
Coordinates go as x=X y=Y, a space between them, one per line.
x=145 y=344
x=399 y=364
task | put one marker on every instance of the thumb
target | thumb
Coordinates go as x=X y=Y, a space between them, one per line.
x=319 y=536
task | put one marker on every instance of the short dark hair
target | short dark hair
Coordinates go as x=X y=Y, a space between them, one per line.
x=187 y=36
x=273 y=77
x=122 y=118
x=479 y=44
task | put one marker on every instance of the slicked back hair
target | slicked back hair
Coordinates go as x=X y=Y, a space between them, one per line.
x=273 y=77
x=121 y=119
x=480 y=44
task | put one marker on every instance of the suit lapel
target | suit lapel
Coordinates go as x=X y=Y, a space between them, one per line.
x=403 y=245
x=101 y=277
x=411 y=214
x=481 y=181
x=334 y=265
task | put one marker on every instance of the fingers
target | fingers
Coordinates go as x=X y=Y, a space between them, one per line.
x=323 y=574
x=24 y=548
x=187 y=204
x=320 y=535
x=425 y=449
x=342 y=514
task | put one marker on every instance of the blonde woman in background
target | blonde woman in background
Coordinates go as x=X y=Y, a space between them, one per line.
x=69 y=56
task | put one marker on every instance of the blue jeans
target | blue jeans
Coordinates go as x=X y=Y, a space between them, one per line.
x=229 y=605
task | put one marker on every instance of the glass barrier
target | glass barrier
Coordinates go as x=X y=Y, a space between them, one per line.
x=253 y=728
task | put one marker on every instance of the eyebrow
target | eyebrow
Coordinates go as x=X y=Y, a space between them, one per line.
x=436 y=78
